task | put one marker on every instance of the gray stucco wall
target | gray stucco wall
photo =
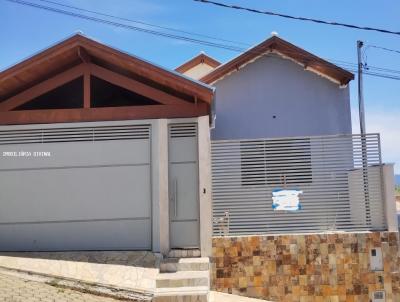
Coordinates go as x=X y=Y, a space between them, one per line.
x=302 y=102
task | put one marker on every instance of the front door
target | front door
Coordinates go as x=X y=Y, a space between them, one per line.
x=183 y=186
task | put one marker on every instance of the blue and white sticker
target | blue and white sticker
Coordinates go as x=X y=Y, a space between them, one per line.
x=286 y=200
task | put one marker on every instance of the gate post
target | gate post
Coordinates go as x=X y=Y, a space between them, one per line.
x=389 y=197
x=205 y=198
x=159 y=166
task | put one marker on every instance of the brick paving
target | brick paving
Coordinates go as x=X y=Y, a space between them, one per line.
x=14 y=289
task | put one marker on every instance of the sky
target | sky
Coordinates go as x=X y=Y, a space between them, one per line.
x=25 y=31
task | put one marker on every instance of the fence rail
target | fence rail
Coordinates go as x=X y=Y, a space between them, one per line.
x=340 y=177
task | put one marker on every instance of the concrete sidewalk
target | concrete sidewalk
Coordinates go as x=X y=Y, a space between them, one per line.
x=15 y=289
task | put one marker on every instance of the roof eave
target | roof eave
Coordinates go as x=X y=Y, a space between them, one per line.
x=338 y=74
x=76 y=40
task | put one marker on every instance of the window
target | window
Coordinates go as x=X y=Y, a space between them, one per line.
x=275 y=162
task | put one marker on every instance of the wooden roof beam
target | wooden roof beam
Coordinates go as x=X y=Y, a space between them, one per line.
x=42 y=88
x=83 y=55
x=135 y=86
x=102 y=114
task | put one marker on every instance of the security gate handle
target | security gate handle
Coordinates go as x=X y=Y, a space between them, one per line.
x=176 y=197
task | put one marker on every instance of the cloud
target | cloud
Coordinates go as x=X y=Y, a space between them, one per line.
x=387 y=124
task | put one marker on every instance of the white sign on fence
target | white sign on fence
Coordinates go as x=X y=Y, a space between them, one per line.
x=286 y=200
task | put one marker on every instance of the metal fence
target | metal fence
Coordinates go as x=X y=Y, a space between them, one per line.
x=340 y=177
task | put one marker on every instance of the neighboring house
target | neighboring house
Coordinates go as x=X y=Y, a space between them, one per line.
x=198 y=66
x=92 y=140
x=282 y=120
x=276 y=89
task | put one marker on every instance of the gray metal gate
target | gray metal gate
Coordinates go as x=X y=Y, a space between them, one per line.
x=75 y=188
x=183 y=187
x=340 y=177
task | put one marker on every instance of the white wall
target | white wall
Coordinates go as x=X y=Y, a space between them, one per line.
x=302 y=102
x=198 y=71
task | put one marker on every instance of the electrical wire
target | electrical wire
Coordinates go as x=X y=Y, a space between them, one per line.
x=376 y=74
x=126 y=26
x=252 y=10
x=191 y=40
x=144 y=23
x=384 y=48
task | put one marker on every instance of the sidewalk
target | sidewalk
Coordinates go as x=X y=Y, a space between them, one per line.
x=13 y=289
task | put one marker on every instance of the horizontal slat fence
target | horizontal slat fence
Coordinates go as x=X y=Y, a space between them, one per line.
x=340 y=177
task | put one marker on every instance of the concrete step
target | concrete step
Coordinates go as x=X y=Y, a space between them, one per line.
x=184 y=253
x=170 y=265
x=182 y=294
x=223 y=297
x=183 y=279
x=181 y=298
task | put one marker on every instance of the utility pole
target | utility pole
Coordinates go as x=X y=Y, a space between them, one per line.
x=361 y=110
x=361 y=113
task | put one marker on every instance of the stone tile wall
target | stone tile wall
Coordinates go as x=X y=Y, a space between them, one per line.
x=318 y=267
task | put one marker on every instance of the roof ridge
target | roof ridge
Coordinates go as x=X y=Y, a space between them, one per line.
x=285 y=48
x=197 y=59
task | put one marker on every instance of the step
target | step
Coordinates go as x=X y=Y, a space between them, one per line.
x=170 y=265
x=182 y=294
x=181 y=298
x=223 y=297
x=184 y=253
x=183 y=279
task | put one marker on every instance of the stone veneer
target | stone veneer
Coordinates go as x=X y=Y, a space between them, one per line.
x=306 y=267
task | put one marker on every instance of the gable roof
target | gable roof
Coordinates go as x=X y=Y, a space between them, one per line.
x=282 y=47
x=199 y=59
x=73 y=50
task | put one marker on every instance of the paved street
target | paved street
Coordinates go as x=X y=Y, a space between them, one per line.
x=13 y=289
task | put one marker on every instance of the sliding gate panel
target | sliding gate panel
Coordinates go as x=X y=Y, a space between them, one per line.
x=77 y=189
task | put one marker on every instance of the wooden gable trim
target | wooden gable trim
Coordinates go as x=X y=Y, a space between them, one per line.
x=102 y=114
x=87 y=70
x=150 y=71
x=298 y=54
x=134 y=86
x=86 y=86
x=93 y=49
x=43 y=87
x=199 y=59
x=83 y=55
x=41 y=57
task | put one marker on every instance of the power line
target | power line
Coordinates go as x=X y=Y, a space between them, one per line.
x=144 y=23
x=126 y=26
x=377 y=74
x=386 y=31
x=384 y=48
x=167 y=35
x=348 y=65
x=383 y=69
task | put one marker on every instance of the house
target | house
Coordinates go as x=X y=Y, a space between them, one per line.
x=296 y=195
x=102 y=150
x=282 y=120
x=92 y=139
x=198 y=66
x=276 y=89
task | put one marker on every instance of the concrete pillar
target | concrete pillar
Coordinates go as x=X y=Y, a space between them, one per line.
x=205 y=186
x=159 y=166
x=389 y=197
